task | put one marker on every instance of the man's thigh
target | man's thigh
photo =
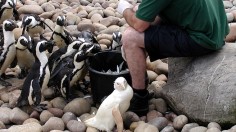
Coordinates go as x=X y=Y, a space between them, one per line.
x=163 y=41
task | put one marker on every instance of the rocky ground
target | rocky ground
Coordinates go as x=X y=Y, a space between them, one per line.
x=100 y=17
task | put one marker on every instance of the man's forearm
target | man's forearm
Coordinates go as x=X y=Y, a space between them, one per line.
x=133 y=21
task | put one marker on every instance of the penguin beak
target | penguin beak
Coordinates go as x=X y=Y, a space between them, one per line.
x=50 y=45
x=89 y=49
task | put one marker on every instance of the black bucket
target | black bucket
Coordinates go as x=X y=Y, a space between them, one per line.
x=101 y=81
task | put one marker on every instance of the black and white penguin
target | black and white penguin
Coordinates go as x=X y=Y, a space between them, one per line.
x=8 y=10
x=33 y=24
x=24 y=55
x=37 y=79
x=8 y=50
x=89 y=37
x=60 y=36
x=116 y=43
x=63 y=52
x=70 y=71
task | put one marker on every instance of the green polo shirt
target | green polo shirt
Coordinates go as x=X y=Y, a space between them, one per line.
x=204 y=20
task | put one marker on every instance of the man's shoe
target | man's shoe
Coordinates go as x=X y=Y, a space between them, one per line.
x=139 y=104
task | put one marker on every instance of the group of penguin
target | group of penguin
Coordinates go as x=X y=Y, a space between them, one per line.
x=59 y=62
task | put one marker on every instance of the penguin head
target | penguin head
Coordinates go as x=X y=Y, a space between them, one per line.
x=8 y=3
x=44 y=45
x=61 y=20
x=80 y=56
x=88 y=36
x=9 y=25
x=75 y=44
x=24 y=41
x=12 y=3
x=29 y=21
x=116 y=36
x=120 y=84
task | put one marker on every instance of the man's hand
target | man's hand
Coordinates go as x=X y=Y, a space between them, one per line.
x=122 y=5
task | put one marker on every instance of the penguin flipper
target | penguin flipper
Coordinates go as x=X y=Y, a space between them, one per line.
x=62 y=64
x=69 y=38
x=36 y=95
x=16 y=14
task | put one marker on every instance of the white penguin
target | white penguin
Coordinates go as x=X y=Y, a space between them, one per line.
x=118 y=100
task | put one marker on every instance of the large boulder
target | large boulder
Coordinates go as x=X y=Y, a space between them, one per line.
x=204 y=88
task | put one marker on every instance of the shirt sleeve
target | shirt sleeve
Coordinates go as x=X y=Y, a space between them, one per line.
x=149 y=9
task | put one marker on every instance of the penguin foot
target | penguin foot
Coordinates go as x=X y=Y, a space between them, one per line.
x=4 y=83
x=41 y=107
x=23 y=74
x=4 y=76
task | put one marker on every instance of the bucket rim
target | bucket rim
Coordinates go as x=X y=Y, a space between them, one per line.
x=103 y=73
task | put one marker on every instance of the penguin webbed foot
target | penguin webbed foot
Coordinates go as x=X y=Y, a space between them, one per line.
x=41 y=107
x=4 y=76
x=80 y=88
x=4 y=83
x=23 y=74
x=86 y=83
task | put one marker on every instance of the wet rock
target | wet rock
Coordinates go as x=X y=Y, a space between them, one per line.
x=27 y=9
x=5 y=115
x=68 y=116
x=78 y=106
x=76 y=126
x=180 y=121
x=30 y=120
x=189 y=126
x=58 y=102
x=56 y=112
x=168 y=129
x=18 y=116
x=2 y=125
x=29 y=127
x=198 y=129
x=145 y=127
x=214 y=124
x=159 y=122
x=45 y=116
x=54 y=123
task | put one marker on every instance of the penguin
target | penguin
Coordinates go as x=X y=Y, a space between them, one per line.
x=8 y=10
x=8 y=50
x=24 y=55
x=63 y=52
x=33 y=24
x=60 y=36
x=113 y=107
x=70 y=71
x=38 y=77
x=116 y=43
x=89 y=37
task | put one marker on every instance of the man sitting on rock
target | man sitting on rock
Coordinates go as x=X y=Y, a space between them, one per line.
x=184 y=28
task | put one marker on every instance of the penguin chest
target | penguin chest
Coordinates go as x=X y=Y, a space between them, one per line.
x=45 y=78
x=24 y=58
x=77 y=73
x=59 y=41
x=6 y=14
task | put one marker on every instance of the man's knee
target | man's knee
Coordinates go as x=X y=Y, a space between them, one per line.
x=129 y=38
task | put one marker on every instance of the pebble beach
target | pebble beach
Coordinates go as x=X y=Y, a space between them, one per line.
x=102 y=19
